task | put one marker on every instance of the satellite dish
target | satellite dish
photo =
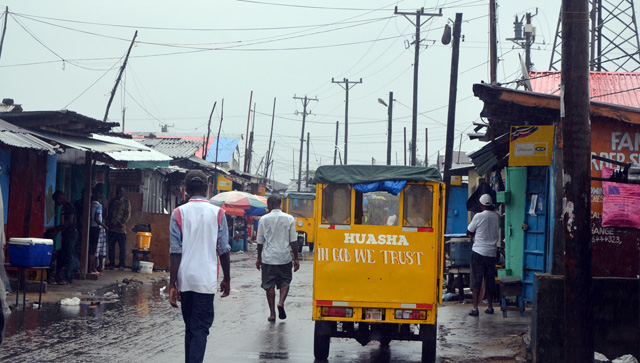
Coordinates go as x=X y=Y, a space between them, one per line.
x=526 y=82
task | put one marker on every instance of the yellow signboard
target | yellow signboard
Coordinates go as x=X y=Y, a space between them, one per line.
x=224 y=183
x=456 y=180
x=531 y=145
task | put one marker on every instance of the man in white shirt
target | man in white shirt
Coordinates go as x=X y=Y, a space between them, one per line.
x=277 y=236
x=485 y=231
x=199 y=237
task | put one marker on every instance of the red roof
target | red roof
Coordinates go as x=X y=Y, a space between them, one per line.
x=620 y=88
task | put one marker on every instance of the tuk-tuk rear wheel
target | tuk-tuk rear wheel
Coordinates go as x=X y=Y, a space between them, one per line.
x=428 y=334
x=321 y=339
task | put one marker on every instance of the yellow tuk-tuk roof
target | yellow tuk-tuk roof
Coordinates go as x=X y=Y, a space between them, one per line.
x=352 y=174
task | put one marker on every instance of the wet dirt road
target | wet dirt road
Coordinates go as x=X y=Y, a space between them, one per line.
x=141 y=326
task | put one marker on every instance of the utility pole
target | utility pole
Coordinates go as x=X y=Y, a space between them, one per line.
x=414 y=117
x=335 y=146
x=123 y=112
x=426 y=147
x=493 y=43
x=305 y=102
x=451 y=116
x=273 y=115
x=215 y=162
x=306 y=179
x=250 y=150
x=115 y=86
x=246 y=135
x=4 y=28
x=389 y=130
x=346 y=87
x=405 y=146
x=525 y=37
x=576 y=154
x=206 y=141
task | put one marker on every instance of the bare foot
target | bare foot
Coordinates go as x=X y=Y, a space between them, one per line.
x=271 y=319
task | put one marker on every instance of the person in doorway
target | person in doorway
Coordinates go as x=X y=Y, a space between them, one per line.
x=119 y=213
x=484 y=229
x=96 y=229
x=68 y=237
x=98 y=190
x=277 y=236
x=198 y=239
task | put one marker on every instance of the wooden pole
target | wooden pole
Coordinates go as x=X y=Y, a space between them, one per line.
x=246 y=135
x=206 y=141
x=115 y=86
x=576 y=151
x=273 y=115
x=451 y=117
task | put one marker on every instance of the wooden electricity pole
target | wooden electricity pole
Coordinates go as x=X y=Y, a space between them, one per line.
x=273 y=115
x=115 y=86
x=306 y=179
x=206 y=141
x=414 y=117
x=335 y=147
x=4 y=28
x=346 y=87
x=305 y=102
x=451 y=117
x=576 y=153
x=246 y=135
x=389 y=130
x=215 y=182
x=493 y=43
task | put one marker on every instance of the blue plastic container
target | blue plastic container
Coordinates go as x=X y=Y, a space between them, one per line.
x=460 y=251
x=237 y=245
x=30 y=252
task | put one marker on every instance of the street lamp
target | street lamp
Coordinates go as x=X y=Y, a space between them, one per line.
x=389 y=113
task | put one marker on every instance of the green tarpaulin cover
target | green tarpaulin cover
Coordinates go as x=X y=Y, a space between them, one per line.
x=294 y=195
x=351 y=174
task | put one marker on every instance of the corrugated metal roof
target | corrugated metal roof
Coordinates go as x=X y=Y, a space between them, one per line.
x=197 y=139
x=175 y=147
x=133 y=150
x=15 y=136
x=206 y=164
x=83 y=143
x=226 y=148
x=620 y=88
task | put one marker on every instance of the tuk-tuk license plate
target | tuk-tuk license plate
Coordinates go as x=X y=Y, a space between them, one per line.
x=373 y=314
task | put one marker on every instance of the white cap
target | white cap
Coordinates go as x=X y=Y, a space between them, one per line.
x=486 y=200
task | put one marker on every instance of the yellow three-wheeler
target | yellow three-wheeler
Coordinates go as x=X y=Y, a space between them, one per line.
x=379 y=255
x=301 y=206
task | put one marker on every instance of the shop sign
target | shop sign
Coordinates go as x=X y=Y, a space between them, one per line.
x=531 y=145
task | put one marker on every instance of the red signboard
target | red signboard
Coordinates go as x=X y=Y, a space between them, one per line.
x=616 y=250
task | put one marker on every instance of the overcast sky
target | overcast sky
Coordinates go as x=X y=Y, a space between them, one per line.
x=189 y=54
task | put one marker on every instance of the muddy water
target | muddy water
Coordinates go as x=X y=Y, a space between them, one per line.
x=141 y=326
x=112 y=330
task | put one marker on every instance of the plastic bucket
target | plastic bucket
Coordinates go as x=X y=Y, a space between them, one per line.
x=146 y=267
x=143 y=240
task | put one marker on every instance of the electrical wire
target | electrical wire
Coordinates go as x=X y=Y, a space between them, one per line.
x=93 y=84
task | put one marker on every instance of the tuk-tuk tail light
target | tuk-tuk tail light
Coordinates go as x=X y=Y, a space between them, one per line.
x=410 y=314
x=337 y=312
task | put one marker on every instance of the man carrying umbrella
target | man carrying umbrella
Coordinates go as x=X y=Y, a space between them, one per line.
x=276 y=235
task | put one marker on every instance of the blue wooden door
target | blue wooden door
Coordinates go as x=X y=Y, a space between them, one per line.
x=535 y=238
x=457 y=219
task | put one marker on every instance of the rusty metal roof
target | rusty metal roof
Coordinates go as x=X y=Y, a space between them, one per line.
x=12 y=135
x=176 y=148
x=620 y=88
x=62 y=121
